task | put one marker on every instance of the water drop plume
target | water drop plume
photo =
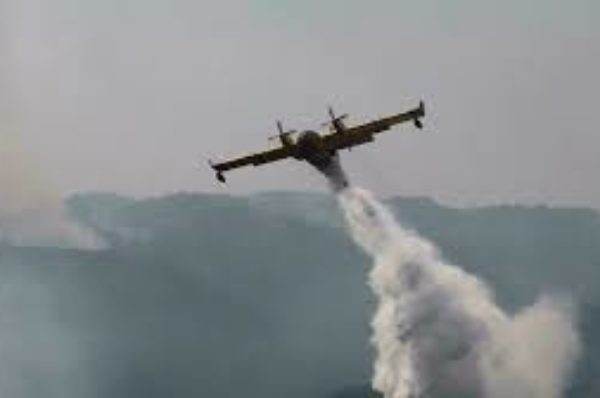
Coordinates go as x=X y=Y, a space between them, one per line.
x=437 y=330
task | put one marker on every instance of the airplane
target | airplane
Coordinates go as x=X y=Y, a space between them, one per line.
x=321 y=151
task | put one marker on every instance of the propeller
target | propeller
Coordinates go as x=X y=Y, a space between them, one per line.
x=333 y=117
x=281 y=132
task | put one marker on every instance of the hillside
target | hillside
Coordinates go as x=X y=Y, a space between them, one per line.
x=258 y=296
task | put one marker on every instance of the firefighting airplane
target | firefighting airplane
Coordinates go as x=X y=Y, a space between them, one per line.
x=321 y=151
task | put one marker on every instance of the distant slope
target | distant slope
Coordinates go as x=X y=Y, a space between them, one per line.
x=260 y=296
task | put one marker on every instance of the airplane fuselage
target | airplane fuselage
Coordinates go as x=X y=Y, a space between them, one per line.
x=310 y=147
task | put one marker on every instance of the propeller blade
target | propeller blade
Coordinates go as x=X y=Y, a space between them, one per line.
x=331 y=113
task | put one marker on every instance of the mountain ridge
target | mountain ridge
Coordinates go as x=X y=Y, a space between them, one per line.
x=263 y=295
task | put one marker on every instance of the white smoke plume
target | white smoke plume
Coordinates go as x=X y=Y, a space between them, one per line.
x=437 y=330
x=31 y=212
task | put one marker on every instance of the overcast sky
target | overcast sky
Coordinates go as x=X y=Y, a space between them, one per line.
x=134 y=96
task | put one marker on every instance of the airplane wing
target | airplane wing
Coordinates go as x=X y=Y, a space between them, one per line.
x=256 y=159
x=364 y=133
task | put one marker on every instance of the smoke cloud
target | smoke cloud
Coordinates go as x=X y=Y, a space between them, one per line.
x=437 y=330
x=31 y=212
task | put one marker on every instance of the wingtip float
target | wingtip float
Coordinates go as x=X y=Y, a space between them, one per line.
x=321 y=150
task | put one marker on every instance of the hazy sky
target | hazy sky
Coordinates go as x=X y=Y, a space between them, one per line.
x=132 y=96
